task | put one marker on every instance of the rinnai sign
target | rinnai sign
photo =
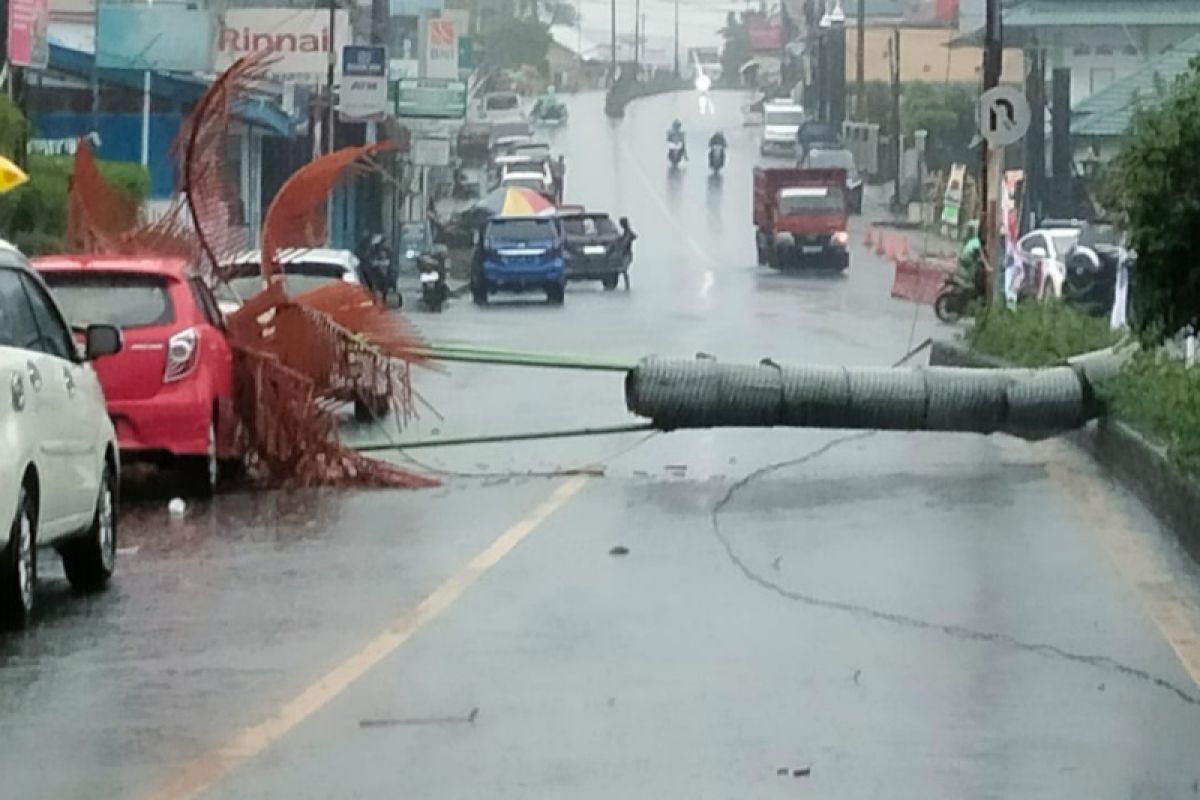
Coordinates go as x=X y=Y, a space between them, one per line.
x=299 y=40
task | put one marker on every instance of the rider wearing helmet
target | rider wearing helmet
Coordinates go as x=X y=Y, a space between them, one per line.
x=676 y=134
x=716 y=139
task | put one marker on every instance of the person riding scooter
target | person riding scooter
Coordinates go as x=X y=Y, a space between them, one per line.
x=677 y=136
x=716 y=151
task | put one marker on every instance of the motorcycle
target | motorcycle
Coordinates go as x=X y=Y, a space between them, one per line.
x=955 y=298
x=716 y=158
x=675 y=152
x=549 y=115
x=434 y=291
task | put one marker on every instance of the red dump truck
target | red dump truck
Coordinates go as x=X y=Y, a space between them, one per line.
x=800 y=217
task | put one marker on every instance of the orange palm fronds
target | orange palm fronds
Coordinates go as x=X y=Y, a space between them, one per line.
x=296 y=217
x=208 y=194
x=98 y=215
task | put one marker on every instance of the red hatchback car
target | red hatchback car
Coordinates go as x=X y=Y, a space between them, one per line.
x=170 y=390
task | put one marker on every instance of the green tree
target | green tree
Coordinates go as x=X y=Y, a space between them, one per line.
x=514 y=42
x=14 y=129
x=1155 y=179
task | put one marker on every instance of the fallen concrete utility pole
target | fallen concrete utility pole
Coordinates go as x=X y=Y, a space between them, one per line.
x=1030 y=403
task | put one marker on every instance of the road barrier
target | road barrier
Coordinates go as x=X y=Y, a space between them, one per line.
x=920 y=279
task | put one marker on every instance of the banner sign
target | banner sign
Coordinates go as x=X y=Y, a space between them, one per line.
x=364 y=91
x=763 y=35
x=441 y=48
x=147 y=37
x=952 y=201
x=436 y=99
x=299 y=39
x=28 y=29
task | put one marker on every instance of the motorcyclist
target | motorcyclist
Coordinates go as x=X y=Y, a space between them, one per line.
x=547 y=106
x=371 y=250
x=717 y=140
x=676 y=134
x=970 y=259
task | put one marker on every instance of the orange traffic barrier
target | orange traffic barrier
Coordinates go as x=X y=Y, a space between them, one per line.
x=879 y=249
x=890 y=248
x=902 y=250
x=870 y=240
x=920 y=280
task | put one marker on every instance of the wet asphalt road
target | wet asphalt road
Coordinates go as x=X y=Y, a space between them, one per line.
x=798 y=613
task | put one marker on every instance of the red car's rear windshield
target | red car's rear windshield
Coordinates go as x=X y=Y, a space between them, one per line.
x=124 y=300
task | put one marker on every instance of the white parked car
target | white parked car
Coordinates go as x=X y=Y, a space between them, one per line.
x=304 y=269
x=1047 y=248
x=59 y=464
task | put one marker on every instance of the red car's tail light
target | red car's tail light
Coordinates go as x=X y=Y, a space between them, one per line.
x=183 y=355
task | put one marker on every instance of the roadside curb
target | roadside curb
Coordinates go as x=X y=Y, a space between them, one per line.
x=1138 y=463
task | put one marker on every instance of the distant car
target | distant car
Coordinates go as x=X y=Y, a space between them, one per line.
x=1047 y=249
x=781 y=120
x=304 y=269
x=820 y=157
x=59 y=462
x=519 y=254
x=539 y=182
x=813 y=133
x=594 y=248
x=1092 y=266
x=506 y=133
x=500 y=105
x=170 y=391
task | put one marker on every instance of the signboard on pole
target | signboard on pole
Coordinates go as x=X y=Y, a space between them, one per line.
x=441 y=48
x=952 y=201
x=1003 y=115
x=28 y=28
x=148 y=37
x=364 y=91
x=431 y=151
x=299 y=40
x=429 y=98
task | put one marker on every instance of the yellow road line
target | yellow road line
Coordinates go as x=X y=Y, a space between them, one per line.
x=205 y=771
x=1156 y=584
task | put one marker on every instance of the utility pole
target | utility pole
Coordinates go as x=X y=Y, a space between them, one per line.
x=897 y=130
x=677 y=38
x=837 y=67
x=860 y=64
x=612 y=67
x=1035 y=140
x=991 y=174
x=331 y=119
x=637 y=40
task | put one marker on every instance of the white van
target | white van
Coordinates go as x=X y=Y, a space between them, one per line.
x=781 y=121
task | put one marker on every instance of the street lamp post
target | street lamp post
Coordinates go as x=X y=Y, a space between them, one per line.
x=612 y=67
x=676 y=38
x=837 y=66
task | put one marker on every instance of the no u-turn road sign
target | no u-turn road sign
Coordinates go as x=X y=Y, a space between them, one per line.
x=1003 y=115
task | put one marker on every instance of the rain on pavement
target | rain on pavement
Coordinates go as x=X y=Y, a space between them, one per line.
x=721 y=614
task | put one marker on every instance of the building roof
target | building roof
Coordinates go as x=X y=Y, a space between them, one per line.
x=1026 y=18
x=1089 y=13
x=1110 y=111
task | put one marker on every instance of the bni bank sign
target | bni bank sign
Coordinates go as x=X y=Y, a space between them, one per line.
x=298 y=39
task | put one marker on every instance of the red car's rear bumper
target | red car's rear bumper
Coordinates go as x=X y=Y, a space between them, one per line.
x=175 y=420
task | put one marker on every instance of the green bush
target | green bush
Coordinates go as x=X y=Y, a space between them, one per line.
x=1153 y=187
x=1039 y=334
x=37 y=211
x=14 y=129
x=1160 y=397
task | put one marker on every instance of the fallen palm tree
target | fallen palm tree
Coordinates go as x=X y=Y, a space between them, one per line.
x=296 y=359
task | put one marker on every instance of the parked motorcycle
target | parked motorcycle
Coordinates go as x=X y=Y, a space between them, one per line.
x=434 y=290
x=716 y=158
x=955 y=298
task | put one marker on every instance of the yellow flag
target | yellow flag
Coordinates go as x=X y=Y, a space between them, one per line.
x=11 y=176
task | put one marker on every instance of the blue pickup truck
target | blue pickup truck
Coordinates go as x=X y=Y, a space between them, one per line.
x=519 y=254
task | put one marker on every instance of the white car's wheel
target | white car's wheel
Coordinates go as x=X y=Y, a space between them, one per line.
x=89 y=561
x=18 y=565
